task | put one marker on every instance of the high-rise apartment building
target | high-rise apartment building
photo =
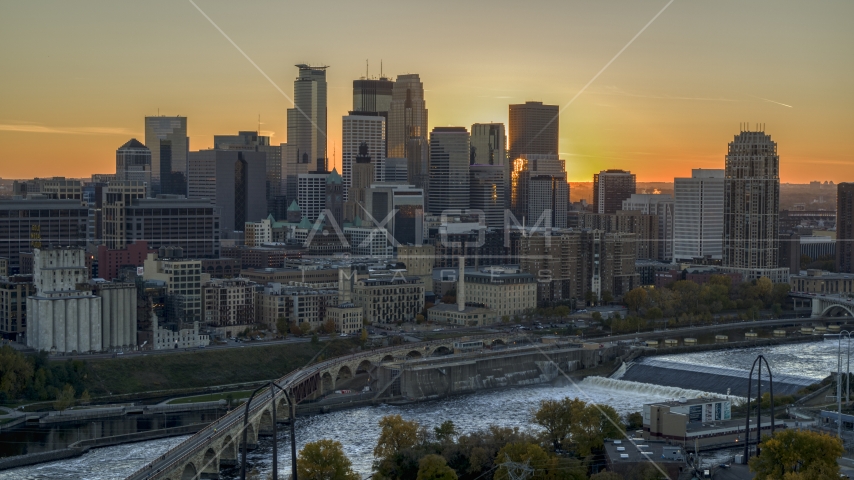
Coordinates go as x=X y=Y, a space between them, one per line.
x=662 y=207
x=366 y=128
x=229 y=305
x=253 y=142
x=533 y=129
x=166 y=138
x=526 y=167
x=698 y=215
x=234 y=180
x=845 y=228
x=610 y=188
x=407 y=127
x=751 y=208
x=311 y=194
x=14 y=291
x=361 y=179
x=133 y=163
x=184 y=279
x=449 y=169
x=487 y=193
x=307 y=120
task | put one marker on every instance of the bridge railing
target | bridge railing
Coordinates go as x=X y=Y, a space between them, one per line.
x=221 y=426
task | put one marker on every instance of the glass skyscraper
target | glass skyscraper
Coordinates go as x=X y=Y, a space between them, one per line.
x=166 y=138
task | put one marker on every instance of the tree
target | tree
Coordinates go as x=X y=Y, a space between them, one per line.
x=329 y=326
x=315 y=339
x=607 y=297
x=419 y=319
x=521 y=452
x=592 y=424
x=396 y=434
x=435 y=467
x=64 y=399
x=589 y=297
x=797 y=454
x=324 y=460
x=445 y=431
x=295 y=329
x=282 y=325
x=606 y=475
x=654 y=313
x=634 y=421
x=363 y=337
x=85 y=399
x=305 y=328
x=556 y=417
x=597 y=316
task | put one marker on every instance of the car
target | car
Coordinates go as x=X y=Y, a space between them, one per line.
x=342 y=335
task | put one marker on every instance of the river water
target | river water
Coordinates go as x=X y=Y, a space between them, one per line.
x=357 y=429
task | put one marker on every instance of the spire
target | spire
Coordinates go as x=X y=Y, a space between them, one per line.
x=334 y=177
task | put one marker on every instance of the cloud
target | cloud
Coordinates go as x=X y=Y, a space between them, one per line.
x=34 y=128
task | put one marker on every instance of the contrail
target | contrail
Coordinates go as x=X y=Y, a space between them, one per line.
x=772 y=101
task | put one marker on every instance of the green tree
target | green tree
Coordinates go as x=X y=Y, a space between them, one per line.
x=607 y=297
x=521 y=452
x=396 y=434
x=329 y=326
x=634 y=421
x=65 y=398
x=16 y=373
x=363 y=337
x=305 y=328
x=597 y=316
x=556 y=417
x=315 y=339
x=445 y=431
x=282 y=326
x=606 y=475
x=592 y=424
x=324 y=460
x=654 y=313
x=797 y=454
x=85 y=399
x=435 y=467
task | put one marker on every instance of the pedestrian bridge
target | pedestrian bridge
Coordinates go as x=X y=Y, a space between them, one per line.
x=219 y=444
x=825 y=305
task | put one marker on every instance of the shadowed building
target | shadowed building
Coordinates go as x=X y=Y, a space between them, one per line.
x=533 y=129
x=845 y=228
x=166 y=138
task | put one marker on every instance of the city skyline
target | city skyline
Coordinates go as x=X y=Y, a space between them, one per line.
x=668 y=104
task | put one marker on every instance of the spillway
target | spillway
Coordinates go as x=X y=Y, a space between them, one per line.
x=706 y=378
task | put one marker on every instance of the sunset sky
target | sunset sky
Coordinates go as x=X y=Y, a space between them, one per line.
x=77 y=78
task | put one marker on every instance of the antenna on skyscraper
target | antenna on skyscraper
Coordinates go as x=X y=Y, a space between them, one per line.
x=381 y=68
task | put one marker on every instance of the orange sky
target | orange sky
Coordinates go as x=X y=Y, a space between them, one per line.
x=77 y=78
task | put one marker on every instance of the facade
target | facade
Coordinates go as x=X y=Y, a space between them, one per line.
x=54 y=188
x=534 y=129
x=62 y=318
x=389 y=299
x=645 y=227
x=698 y=215
x=110 y=261
x=166 y=138
x=486 y=193
x=372 y=95
x=348 y=317
x=450 y=151
x=396 y=170
x=133 y=163
x=257 y=257
x=419 y=262
x=233 y=180
x=845 y=228
x=36 y=221
x=822 y=283
x=662 y=207
x=174 y=221
x=368 y=128
x=116 y=197
x=166 y=338
x=488 y=144
x=548 y=196
x=526 y=167
x=311 y=194
x=221 y=267
x=407 y=127
x=287 y=275
x=368 y=242
x=504 y=291
x=14 y=291
x=184 y=280
x=362 y=177
x=253 y=142
x=751 y=208
x=610 y=188
x=258 y=233
x=229 y=304
x=307 y=120
x=4 y=267
x=334 y=201
x=119 y=313
x=298 y=304
x=406 y=202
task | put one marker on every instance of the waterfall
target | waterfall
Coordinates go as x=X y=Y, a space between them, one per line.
x=620 y=371
x=645 y=388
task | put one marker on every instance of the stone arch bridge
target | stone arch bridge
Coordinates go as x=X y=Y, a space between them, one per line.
x=825 y=305
x=219 y=444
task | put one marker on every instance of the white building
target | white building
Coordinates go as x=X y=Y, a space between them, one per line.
x=165 y=338
x=661 y=205
x=311 y=194
x=359 y=128
x=698 y=215
x=256 y=234
x=184 y=279
x=505 y=291
x=368 y=242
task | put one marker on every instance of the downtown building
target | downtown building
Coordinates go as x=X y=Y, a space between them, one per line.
x=307 y=127
x=167 y=140
x=254 y=142
x=397 y=208
x=662 y=206
x=845 y=228
x=133 y=163
x=389 y=299
x=229 y=305
x=450 y=153
x=611 y=188
x=407 y=128
x=534 y=129
x=368 y=128
x=14 y=291
x=698 y=215
x=751 y=208
x=486 y=193
x=528 y=202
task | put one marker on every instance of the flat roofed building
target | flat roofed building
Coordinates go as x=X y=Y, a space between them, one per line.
x=229 y=303
x=14 y=291
x=698 y=215
x=348 y=317
x=38 y=221
x=506 y=291
x=389 y=299
x=610 y=188
x=175 y=221
x=183 y=279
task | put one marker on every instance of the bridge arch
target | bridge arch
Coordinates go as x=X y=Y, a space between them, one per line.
x=414 y=354
x=251 y=437
x=837 y=310
x=343 y=373
x=265 y=427
x=364 y=367
x=387 y=358
x=228 y=452
x=210 y=463
x=189 y=472
x=497 y=342
x=441 y=350
x=327 y=382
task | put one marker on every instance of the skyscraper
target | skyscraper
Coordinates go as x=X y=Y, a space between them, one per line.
x=233 y=181
x=359 y=128
x=698 y=215
x=845 y=228
x=662 y=207
x=488 y=144
x=487 y=192
x=449 y=169
x=133 y=163
x=610 y=188
x=751 y=208
x=166 y=138
x=362 y=178
x=548 y=196
x=526 y=167
x=306 y=124
x=407 y=127
x=374 y=95
x=533 y=129
x=251 y=141
x=335 y=196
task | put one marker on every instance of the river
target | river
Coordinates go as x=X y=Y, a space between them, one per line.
x=357 y=429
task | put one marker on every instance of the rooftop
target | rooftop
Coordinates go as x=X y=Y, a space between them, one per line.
x=640 y=450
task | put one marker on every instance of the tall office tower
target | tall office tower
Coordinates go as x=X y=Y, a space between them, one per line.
x=29 y=223
x=374 y=95
x=396 y=170
x=488 y=144
x=335 y=196
x=449 y=169
x=311 y=194
x=363 y=177
x=407 y=202
x=234 y=181
x=610 y=188
x=133 y=163
x=115 y=198
x=533 y=129
x=751 y=208
x=487 y=193
x=845 y=228
x=526 y=167
x=362 y=128
x=253 y=142
x=407 y=127
x=167 y=139
x=698 y=215
x=548 y=196
x=662 y=207
x=306 y=125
